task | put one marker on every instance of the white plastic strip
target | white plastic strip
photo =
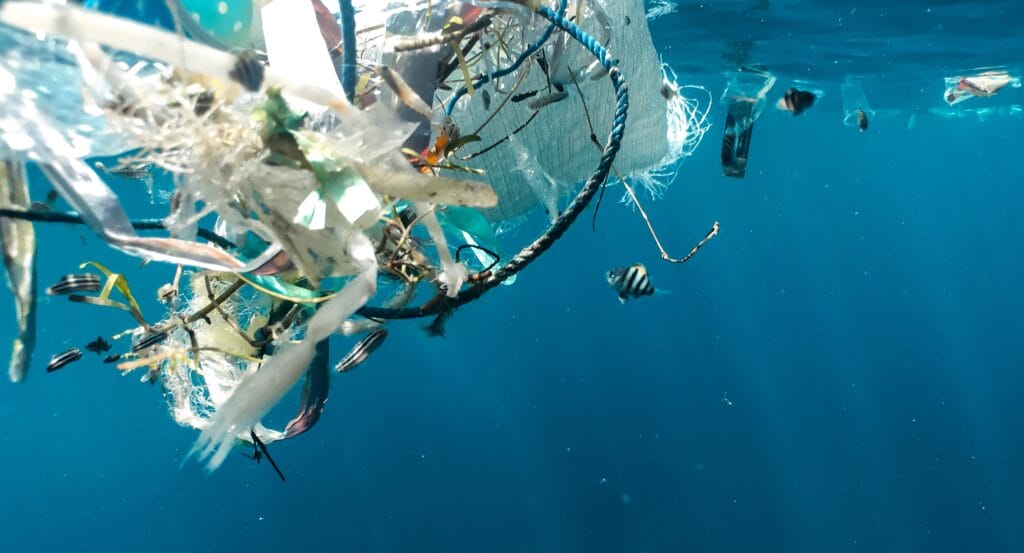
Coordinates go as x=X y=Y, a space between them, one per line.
x=259 y=391
x=296 y=49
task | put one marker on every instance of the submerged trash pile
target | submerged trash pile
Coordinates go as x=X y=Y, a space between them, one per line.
x=340 y=157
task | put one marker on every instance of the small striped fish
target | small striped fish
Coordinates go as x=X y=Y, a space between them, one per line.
x=248 y=71
x=796 y=101
x=630 y=282
x=149 y=340
x=362 y=350
x=133 y=172
x=61 y=360
x=68 y=284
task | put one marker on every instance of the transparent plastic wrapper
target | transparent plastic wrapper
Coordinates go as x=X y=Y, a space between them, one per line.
x=854 y=102
x=745 y=98
x=982 y=85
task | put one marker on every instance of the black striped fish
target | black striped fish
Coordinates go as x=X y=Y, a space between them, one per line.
x=248 y=71
x=61 y=360
x=68 y=284
x=149 y=340
x=630 y=282
x=796 y=101
x=131 y=171
x=362 y=350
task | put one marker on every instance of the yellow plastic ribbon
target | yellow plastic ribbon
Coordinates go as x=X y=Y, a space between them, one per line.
x=114 y=280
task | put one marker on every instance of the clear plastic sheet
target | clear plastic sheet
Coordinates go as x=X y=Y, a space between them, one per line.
x=854 y=101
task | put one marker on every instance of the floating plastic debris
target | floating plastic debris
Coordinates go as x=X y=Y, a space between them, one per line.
x=18 y=241
x=338 y=172
x=855 y=104
x=982 y=85
x=745 y=98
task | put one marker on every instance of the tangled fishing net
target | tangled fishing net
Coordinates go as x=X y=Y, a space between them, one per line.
x=339 y=153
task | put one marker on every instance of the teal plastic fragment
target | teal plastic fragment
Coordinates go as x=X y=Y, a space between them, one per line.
x=285 y=289
x=471 y=226
x=471 y=221
x=227 y=23
x=340 y=185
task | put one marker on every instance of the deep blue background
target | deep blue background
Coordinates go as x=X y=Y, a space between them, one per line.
x=839 y=370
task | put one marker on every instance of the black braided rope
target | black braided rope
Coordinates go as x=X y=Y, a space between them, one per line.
x=76 y=219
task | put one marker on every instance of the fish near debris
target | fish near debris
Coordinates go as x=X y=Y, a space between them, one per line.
x=61 y=360
x=149 y=340
x=248 y=71
x=362 y=350
x=70 y=284
x=862 y=120
x=796 y=101
x=18 y=241
x=129 y=171
x=668 y=91
x=98 y=346
x=630 y=282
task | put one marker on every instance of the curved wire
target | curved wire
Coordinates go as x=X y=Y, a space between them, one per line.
x=530 y=50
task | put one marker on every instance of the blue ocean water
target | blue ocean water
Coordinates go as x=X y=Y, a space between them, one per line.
x=838 y=370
